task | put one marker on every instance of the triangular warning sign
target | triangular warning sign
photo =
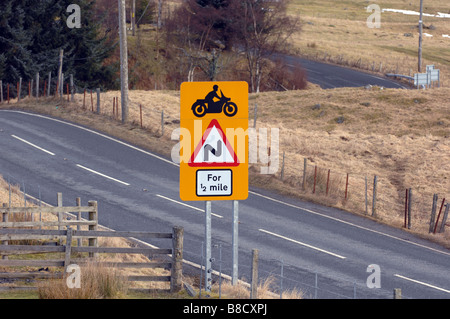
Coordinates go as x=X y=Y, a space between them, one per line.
x=214 y=149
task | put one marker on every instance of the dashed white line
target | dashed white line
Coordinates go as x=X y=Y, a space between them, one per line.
x=422 y=283
x=34 y=145
x=302 y=244
x=348 y=223
x=103 y=175
x=186 y=205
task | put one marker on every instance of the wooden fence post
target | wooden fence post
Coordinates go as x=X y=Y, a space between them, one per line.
x=59 y=203
x=93 y=216
x=374 y=201
x=5 y=220
x=78 y=202
x=365 y=199
x=255 y=115
x=71 y=88
x=254 y=284
x=114 y=108
x=61 y=87
x=409 y=207
x=162 y=122
x=444 y=218
x=49 y=83
x=68 y=248
x=37 y=85
x=433 y=213
x=346 y=187
x=176 y=280
x=20 y=88
x=315 y=176
x=304 y=173
x=439 y=215
x=328 y=181
x=98 y=100
x=406 y=207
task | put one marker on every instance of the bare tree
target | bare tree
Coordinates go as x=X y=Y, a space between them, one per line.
x=202 y=29
x=263 y=27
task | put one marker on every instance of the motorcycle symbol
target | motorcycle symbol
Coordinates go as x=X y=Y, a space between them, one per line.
x=207 y=105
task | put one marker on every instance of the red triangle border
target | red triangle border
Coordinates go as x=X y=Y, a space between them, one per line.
x=213 y=123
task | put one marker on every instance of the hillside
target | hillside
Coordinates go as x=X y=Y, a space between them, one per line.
x=402 y=136
x=330 y=31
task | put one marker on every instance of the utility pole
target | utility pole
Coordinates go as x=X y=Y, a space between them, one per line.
x=123 y=61
x=133 y=16
x=61 y=54
x=420 y=36
x=159 y=13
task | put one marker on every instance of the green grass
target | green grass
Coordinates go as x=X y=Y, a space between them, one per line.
x=19 y=294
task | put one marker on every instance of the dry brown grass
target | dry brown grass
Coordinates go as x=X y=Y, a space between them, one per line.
x=402 y=136
x=97 y=282
x=340 y=31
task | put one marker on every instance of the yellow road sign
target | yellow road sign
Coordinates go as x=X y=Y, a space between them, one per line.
x=213 y=141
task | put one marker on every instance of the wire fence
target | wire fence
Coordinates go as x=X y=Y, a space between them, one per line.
x=375 y=196
x=278 y=279
x=152 y=117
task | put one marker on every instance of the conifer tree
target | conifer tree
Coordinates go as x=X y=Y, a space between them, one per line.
x=32 y=34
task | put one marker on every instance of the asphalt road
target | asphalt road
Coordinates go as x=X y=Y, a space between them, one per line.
x=330 y=76
x=138 y=190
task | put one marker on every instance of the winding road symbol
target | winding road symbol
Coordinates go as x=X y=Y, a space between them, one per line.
x=215 y=151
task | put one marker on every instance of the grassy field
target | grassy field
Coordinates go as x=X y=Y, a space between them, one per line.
x=402 y=136
x=339 y=30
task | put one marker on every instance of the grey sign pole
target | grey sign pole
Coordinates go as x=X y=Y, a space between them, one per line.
x=234 y=242
x=208 y=269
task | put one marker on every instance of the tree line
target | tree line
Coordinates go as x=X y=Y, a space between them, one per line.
x=197 y=40
x=32 y=33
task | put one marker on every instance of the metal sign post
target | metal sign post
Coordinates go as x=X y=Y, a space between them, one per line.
x=234 y=242
x=214 y=152
x=208 y=269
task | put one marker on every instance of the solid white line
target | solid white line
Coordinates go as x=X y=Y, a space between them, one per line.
x=39 y=148
x=254 y=193
x=300 y=243
x=422 y=283
x=181 y=203
x=103 y=175
x=348 y=223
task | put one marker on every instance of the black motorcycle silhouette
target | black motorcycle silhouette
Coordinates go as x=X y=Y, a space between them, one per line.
x=201 y=107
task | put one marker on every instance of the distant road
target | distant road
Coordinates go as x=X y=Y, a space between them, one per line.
x=330 y=76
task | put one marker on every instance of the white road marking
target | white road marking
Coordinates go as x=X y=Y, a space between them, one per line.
x=29 y=143
x=183 y=204
x=422 y=283
x=94 y=132
x=103 y=175
x=302 y=244
x=254 y=193
x=348 y=223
